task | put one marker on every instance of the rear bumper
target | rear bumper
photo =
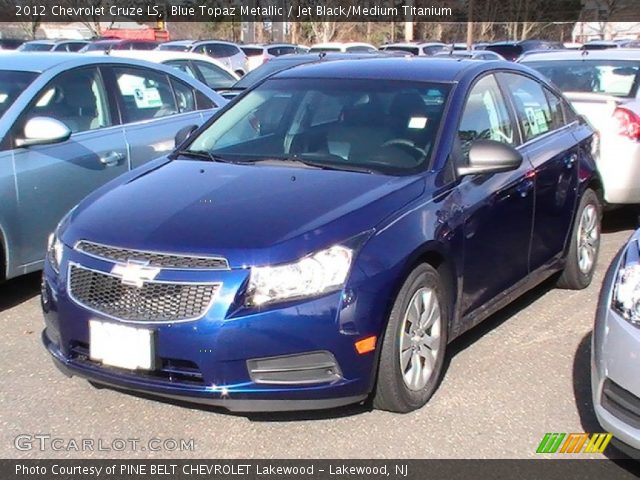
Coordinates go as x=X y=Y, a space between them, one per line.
x=619 y=167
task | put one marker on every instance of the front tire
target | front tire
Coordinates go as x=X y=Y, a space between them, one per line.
x=585 y=244
x=413 y=349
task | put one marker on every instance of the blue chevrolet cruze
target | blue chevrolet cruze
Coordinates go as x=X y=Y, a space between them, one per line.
x=324 y=237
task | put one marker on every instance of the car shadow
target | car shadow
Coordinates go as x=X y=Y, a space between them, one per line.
x=14 y=292
x=494 y=321
x=619 y=219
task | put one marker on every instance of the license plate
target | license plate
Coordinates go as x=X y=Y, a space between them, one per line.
x=121 y=346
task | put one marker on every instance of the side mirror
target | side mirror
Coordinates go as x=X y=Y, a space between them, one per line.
x=489 y=156
x=184 y=133
x=43 y=131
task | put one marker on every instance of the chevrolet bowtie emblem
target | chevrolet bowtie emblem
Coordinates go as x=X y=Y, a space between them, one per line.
x=135 y=273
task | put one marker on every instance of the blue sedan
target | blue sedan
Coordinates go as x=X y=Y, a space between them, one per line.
x=324 y=237
x=70 y=123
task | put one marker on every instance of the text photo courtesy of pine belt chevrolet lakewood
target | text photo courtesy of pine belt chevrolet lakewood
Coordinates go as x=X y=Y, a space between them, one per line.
x=323 y=237
x=71 y=123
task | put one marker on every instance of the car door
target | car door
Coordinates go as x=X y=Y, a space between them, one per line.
x=154 y=106
x=51 y=179
x=551 y=148
x=498 y=208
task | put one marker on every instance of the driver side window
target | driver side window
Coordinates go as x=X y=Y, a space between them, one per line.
x=485 y=117
x=76 y=98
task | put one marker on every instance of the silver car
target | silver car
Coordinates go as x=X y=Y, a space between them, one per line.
x=69 y=123
x=603 y=86
x=229 y=54
x=615 y=350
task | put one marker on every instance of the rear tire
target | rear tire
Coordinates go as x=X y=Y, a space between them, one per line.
x=415 y=340
x=584 y=244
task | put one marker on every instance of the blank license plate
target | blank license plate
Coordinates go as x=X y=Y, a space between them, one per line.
x=121 y=346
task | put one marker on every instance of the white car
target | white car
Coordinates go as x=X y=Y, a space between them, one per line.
x=420 y=49
x=227 y=53
x=201 y=67
x=348 y=47
x=603 y=86
x=259 y=54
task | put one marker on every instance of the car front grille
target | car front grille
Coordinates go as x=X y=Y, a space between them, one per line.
x=152 y=259
x=621 y=403
x=153 y=302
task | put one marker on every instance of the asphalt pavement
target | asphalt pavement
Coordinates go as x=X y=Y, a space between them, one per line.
x=522 y=373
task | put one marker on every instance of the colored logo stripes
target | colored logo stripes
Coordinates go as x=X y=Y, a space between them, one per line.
x=574 y=443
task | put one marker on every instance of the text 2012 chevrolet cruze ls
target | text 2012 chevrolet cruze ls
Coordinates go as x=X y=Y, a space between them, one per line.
x=326 y=236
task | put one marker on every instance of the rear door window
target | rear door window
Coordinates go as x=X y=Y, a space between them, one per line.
x=144 y=94
x=532 y=107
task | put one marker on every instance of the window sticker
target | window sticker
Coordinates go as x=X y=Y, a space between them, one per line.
x=532 y=121
x=418 y=123
x=147 y=98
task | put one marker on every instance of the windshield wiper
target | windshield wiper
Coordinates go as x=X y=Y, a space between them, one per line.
x=203 y=154
x=306 y=163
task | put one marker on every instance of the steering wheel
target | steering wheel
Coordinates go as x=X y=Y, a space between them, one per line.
x=406 y=145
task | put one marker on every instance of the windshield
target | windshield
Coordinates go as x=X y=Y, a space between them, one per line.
x=35 y=47
x=266 y=69
x=610 y=77
x=98 y=46
x=383 y=126
x=510 y=52
x=12 y=84
x=324 y=49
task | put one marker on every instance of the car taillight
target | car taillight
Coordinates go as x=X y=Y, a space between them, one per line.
x=628 y=123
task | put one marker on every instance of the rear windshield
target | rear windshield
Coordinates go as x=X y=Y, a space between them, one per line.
x=174 y=48
x=510 y=52
x=252 y=52
x=610 y=77
x=99 y=46
x=412 y=50
x=36 y=47
x=12 y=84
x=324 y=49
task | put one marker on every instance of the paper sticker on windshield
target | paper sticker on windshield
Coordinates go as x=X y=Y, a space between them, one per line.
x=147 y=98
x=418 y=122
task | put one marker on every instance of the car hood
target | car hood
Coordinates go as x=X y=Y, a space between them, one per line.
x=250 y=214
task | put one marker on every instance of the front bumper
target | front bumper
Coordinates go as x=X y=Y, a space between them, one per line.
x=615 y=363
x=208 y=360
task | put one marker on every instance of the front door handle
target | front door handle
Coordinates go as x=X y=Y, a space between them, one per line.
x=111 y=159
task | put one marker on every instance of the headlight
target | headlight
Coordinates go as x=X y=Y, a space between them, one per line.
x=626 y=296
x=54 y=251
x=316 y=274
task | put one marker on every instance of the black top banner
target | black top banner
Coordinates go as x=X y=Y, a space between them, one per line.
x=321 y=10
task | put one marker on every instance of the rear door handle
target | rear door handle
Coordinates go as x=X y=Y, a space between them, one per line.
x=111 y=159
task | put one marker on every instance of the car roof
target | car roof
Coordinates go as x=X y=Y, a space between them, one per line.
x=389 y=68
x=612 y=54
x=414 y=44
x=200 y=42
x=179 y=42
x=160 y=56
x=39 y=62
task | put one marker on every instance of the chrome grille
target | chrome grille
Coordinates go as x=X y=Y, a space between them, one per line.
x=153 y=302
x=153 y=259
